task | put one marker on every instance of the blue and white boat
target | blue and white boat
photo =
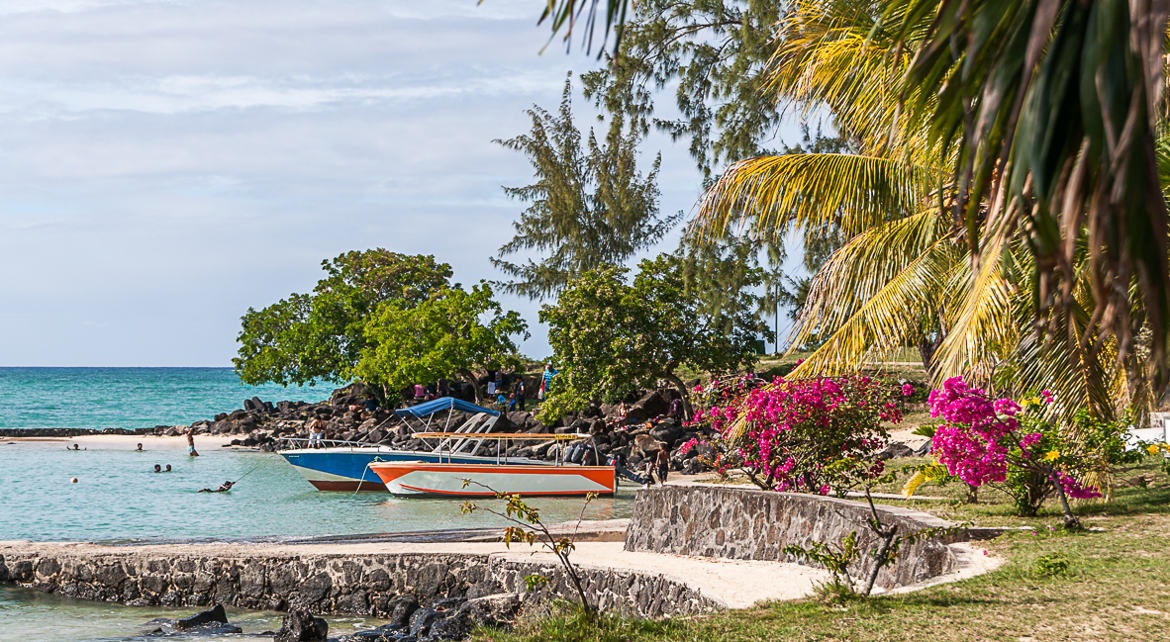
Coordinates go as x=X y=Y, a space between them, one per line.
x=343 y=465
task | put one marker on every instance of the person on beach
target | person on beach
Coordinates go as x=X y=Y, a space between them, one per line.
x=157 y=468
x=191 y=452
x=225 y=487
x=420 y=393
x=663 y=460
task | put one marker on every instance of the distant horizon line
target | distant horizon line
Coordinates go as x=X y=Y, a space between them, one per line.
x=126 y=367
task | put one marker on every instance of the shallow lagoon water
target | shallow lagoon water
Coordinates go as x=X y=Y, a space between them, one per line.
x=118 y=497
x=26 y=616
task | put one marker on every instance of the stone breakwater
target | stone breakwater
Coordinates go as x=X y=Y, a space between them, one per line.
x=750 y=524
x=372 y=584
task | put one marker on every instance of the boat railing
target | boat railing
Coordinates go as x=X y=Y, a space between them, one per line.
x=304 y=443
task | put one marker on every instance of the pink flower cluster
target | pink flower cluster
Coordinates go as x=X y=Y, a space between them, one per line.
x=979 y=435
x=793 y=428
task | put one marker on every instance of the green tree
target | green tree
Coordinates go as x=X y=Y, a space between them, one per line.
x=453 y=333
x=321 y=335
x=610 y=337
x=589 y=205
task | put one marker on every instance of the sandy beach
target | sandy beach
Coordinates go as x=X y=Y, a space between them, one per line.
x=129 y=442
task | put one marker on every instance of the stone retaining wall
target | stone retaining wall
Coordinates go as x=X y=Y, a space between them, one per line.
x=739 y=522
x=329 y=584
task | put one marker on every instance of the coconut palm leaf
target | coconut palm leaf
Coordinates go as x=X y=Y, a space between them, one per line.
x=857 y=271
x=887 y=320
x=1053 y=103
x=774 y=194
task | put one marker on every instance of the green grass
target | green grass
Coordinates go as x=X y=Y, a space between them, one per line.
x=1111 y=582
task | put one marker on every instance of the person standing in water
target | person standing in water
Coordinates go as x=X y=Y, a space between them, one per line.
x=191 y=452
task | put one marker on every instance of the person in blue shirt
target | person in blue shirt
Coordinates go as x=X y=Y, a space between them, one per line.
x=546 y=379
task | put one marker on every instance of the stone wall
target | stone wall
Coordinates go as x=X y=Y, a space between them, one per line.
x=738 y=522
x=330 y=584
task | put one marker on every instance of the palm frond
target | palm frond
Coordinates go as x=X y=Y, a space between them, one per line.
x=886 y=321
x=809 y=192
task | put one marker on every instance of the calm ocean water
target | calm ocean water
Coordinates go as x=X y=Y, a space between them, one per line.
x=27 y=616
x=128 y=397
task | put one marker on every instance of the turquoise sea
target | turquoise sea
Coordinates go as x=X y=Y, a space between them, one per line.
x=129 y=397
x=119 y=498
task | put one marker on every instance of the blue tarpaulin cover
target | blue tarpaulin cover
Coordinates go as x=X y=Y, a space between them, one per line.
x=428 y=408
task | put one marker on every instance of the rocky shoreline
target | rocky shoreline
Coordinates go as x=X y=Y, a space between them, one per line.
x=634 y=432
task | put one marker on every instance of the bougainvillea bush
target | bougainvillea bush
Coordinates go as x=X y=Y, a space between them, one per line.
x=785 y=433
x=1013 y=446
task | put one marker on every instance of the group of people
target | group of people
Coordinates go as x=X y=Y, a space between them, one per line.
x=514 y=400
x=442 y=388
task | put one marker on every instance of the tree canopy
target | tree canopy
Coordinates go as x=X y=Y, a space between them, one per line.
x=611 y=336
x=321 y=335
x=589 y=206
x=453 y=333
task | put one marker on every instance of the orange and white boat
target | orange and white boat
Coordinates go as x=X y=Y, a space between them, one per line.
x=485 y=479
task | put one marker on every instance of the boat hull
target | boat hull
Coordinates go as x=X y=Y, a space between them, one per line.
x=344 y=469
x=447 y=479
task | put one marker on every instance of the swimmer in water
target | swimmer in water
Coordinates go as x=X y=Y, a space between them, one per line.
x=157 y=468
x=226 y=487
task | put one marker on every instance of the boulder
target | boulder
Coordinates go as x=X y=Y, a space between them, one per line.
x=400 y=609
x=421 y=621
x=667 y=431
x=300 y=626
x=896 y=450
x=653 y=404
x=215 y=615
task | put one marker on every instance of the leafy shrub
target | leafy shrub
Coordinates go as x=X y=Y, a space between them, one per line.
x=1015 y=447
x=1050 y=565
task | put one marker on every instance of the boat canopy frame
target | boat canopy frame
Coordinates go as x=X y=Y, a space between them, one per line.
x=482 y=421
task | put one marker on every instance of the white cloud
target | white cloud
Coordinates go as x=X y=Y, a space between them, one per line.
x=165 y=165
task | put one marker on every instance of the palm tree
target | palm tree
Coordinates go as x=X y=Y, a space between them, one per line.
x=1051 y=110
x=905 y=277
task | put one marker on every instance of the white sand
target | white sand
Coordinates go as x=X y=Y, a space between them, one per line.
x=128 y=442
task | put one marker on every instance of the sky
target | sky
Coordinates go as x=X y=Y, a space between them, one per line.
x=165 y=164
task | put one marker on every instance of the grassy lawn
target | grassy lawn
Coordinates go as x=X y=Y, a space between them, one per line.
x=1115 y=585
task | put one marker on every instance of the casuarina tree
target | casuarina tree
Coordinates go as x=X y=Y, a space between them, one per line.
x=589 y=204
